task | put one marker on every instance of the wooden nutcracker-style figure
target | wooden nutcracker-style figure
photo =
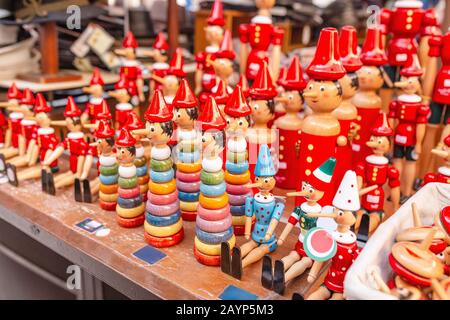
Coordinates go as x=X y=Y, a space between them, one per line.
x=163 y=223
x=408 y=116
x=131 y=67
x=214 y=221
x=346 y=112
x=375 y=170
x=130 y=209
x=289 y=126
x=295 y=264
x=160 y=67
x=237 y=175
x=94 y=105
x=108 y=167
x=366 y=100
x=122 y=94
x=268 y=212
x=321 y=130
x=443 y=172
x=260 y=34
x=205 y=78
x=188 y=150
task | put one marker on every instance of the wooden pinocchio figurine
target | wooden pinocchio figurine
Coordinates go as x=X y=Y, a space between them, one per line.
x=130 y=209
x=323 y=94
x=108 y=167
x=205 y=78
x=214 y=221
x=237 y=175
x=443 y=172
x=408 y=116
x=163 y=223
x=188 y=150
x=366 y=100
x=223 y=64
x=346 y=112
x=123 y=95
x=260 y=34
x=14 y=95
x=289 y=125
x=131 y=68
x=94 y=105
x=296 y=262
x=268 y=212
x=160 y=67
x=376 y=170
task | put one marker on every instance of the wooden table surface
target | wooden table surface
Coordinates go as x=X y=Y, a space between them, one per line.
x=177 y=276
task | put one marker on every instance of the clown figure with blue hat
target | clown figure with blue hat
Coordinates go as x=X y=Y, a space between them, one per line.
x=268 y=211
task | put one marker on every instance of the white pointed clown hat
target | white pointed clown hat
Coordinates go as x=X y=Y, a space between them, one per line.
x=347 y=195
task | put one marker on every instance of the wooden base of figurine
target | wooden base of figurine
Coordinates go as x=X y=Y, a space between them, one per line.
x=164 y=242
x=132 y=222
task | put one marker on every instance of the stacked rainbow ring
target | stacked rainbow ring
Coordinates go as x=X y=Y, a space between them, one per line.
x=130 y=208
x=142 y=171
x=109 y=174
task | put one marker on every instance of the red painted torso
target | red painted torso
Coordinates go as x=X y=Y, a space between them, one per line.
x=160 y=70
x=441 y=93
x=289 y=156
x=46 y=140
x=343 y=154
x=29 y=130
x=122 y=111
x=209 y=75
x=16 y=128
x=93 y=108
x=366 y=120
x=77 y=146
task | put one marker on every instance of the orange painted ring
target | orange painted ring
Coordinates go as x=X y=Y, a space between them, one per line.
x=189 y=215
x=162 y=188
x=109 y=188
x=212 y=261
x=164 y=242
x=189 y=167
x=108 y=206
x=111 y=197
x=213 y=203
x=128 y=213
x=130 y=223
x=143 y=180
x=239 y=179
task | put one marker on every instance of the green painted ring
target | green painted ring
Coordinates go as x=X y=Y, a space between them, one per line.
x=161 y=165
x=109 y=170
x=140 y=162
x=128 y=183
x=212 y=178
x=236 y=157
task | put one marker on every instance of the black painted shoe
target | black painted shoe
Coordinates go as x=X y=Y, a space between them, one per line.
x=297 y=296
x=87 y=195
x=403 y=199
x=77 y=190
x=11 y=173
x=50 y=184
x=44 y=181
x=417 y=184
x=225 y=258
x=236 y=263
x=278 y=277
x=266 y=272
x=363 y=231
x=3 y=164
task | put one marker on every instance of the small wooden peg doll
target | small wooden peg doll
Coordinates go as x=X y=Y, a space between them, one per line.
x=94 y=105
x=289 y=125
x=295 y=264
x=160 y=67
x=408 y=116
x=163 y=223
x=375 y=170
x=346 y=112
x=187 y=151
x=214 y=221
x=268 y=212
x=131 y=68
x=108 y=167
x=237 y=174
x=123 y=95
x=205 y=78
x=443 y=172
x=366 y=100
x=260 y=34
x=130 y=209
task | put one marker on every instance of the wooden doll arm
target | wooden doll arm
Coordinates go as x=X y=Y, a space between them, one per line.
x=363 y=191
x=53 y=156
x=84 y=118
x=287 y=229
x=395 y=197
x=314 y=271
x=198 y=81
x=34 y=154
x=140 y=87
x=22 y=145
x=5 y=104
x=248 y=227
x=420 y=134
x=379 y=282
x=87 y=166
x=8 y=137
x=273 y=224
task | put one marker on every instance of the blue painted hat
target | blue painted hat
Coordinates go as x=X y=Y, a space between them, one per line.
x=264 y=165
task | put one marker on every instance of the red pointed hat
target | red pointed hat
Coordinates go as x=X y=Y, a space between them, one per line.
x=293 y=80
x=122 y=83
x=176 y=64
x=372 y=53
x=211 y=117
x=216 y=15
x=226 y=47
x=14 y=92
x=27 y=97
x=412 y=68
x=125 y=139
x=133 y=121
x=185 y=97
x=237 y=105
x=243 y=82
x=326 y=64
x=71 y=109
x=104 y=113
x=221 y=95
x=447 y=141
x=129 y=41
x=263 y=88
x=382 y=127
x=161 y=42
x=96 y=77
x=104 y=130
x=41 y=104
x=348 y=49
x=281 y=75
x=158 y=110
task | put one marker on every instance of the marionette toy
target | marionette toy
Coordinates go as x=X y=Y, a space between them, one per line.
x=320 y=132
x=289 y=126
x=443 y=172
x=188 y=151
x=408 y=116
x=160 y=67
x=205 y=78
x=295 y=264
x=122 y=94
x=346 y=112
x=267 y=210
x=260 y=34
x=376 y=170
x=214 y=221
x=130 y=209
x=94 y=105
x=108 y=167
x=237 y=174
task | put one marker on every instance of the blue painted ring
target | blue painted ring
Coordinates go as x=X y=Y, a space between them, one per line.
x=237 y=210
x=141 y=171
x=188 y=157
x=214 y=238
x=237 y=168
x=162 y=177
x=129 y=203
x=108 y=180
x=213 y=190
x=188 y=196
x=162 y=221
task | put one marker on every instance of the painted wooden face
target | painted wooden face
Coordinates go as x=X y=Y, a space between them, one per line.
x=43 y=120
x=344 y=217
x=322 y=96
x=236 y=126
x=170 y=86
x=158 y=56
x=379 y=145
x=73 y=124
x=223 y=68
x=265 y=4
x=349 y=84
x=182 y=119
x=292 y=101
x=311 y=193
x=121 y=95
x=409 y=85
x=260 y=111
x=267 y=183
x=214 y=34
x=212 y=143
x=124 y=156
x=103 y=147
x=96 y=90
x=156 y=133
x=370 y=78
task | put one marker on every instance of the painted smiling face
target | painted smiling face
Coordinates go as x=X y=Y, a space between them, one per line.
x=159 y=133
x=323 y=96
x=237 y=126
x=370 y=78
x=310 y=193
x=126 y=155
x=379 y=145
x=349 y=84
x=262 y=111
x=266 y=183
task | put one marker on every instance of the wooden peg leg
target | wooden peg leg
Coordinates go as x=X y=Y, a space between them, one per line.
x=298 y=268
x=255 y=255
x=290 y=259
x=68 y=180
x=320 y=294
x=247 y=247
